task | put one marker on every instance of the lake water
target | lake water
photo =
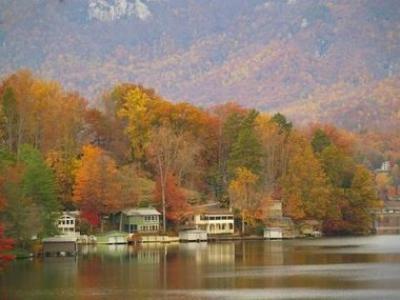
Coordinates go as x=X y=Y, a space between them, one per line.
x=339 y=268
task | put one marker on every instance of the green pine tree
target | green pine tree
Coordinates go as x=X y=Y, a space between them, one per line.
x=246 y=150
x=320 y=141
x=38 y=183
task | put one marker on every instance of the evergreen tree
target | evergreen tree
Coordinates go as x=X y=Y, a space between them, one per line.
x=320 y=141
x=284 y=125
x=38 y=184
x=246 y=150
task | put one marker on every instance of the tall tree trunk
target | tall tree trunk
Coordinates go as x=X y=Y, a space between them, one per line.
x=162 y=184
x=163 y=205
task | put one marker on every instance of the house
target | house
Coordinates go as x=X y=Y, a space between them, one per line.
x=213 y=220
x=140 y=220
x=67 y=223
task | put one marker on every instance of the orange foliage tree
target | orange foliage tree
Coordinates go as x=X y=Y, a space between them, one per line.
x=97 y=189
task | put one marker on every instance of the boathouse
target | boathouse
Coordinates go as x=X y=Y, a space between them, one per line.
x=60 y=246
x=193 y=235
x=273 y=233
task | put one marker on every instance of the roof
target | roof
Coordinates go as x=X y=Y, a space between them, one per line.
x=212 y=209
x=60 y=239
x=147 y=211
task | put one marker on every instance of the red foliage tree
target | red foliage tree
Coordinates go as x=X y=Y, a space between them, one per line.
x=177 y=209
x=6 y=244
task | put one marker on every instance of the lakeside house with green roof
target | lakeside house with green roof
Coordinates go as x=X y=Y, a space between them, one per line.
x=141 y=220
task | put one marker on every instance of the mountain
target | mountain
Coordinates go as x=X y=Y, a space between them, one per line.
x=311 y=59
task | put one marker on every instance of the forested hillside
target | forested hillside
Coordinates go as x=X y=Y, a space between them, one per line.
x=135 y=148
x=329 y=61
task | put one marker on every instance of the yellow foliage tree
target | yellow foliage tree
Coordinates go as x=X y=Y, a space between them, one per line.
x=242 y=190
x=306 y=191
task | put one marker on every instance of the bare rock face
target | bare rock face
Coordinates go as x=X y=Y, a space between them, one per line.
x=312 y=60
x=110 y=10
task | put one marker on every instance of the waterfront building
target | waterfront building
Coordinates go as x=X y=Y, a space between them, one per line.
x=193 y=235
x=214 y=220
x=140 y=220
x=60 y=246
x=67 y=223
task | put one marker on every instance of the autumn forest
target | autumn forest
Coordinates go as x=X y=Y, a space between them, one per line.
x=135 y=148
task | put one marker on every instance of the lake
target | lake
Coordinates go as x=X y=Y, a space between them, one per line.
x=332 y=268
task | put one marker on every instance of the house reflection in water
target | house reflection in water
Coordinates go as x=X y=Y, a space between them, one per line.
x=206 y=253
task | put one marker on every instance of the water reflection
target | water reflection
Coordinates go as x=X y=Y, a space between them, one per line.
x=356 y=267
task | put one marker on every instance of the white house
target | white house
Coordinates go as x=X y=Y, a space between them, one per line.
x=67 y=222
x=214 y=220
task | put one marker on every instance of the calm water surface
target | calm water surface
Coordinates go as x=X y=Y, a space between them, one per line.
x=345 y=268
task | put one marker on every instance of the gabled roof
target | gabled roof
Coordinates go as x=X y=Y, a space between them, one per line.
x=147 y=211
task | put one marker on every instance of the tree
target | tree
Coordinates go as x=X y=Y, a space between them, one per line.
x=276 y=146
x=38 y=184
x=242 y=190
x=228 y=119
x=284 y=125
x=362 y=200
x=320 y=141
x=64 y=169
x=19 y=214
x=246 y=150
x=176 y=206
x=306 y=192
x=164 y=150
x=97 y=190
x=6 y=244
x=40 y=113
x=338 y=166
x=383 y=183
x=10 y=113
x=135 y=109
